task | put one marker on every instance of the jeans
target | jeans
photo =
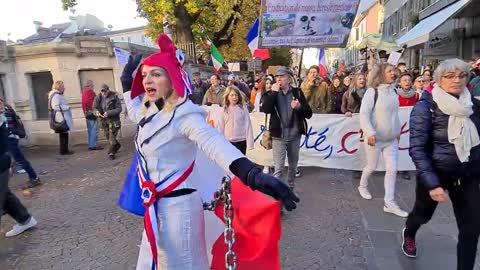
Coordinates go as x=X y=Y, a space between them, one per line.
x=9 y=203
x=464 y=192
x=290 y=148
x=17 y=154
x=390 y=157
x=92 y=133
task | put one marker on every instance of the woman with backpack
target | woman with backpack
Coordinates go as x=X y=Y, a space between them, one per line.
x=380 y=123
x=16 y=131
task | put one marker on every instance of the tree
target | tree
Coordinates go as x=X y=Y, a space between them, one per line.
x=225 y=22
x=279 y=57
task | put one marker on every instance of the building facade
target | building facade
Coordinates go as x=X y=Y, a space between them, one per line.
x=434 y=30
x=368 y=21
x=27 y=73
x=135 y=35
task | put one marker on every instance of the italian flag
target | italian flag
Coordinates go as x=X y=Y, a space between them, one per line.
x=217 y=57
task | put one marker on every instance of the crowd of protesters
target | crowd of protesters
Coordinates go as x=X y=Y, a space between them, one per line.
x=444 y=138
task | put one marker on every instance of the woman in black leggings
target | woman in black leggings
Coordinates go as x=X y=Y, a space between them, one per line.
x=445 y=147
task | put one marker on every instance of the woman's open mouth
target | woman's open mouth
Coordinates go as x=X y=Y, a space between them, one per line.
x=151 y=91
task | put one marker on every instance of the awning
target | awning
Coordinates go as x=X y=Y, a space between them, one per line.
x=420 y=33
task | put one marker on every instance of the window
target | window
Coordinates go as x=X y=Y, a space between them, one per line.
x=98 y=77
x=129 y=39
x=41 y=83
x=143 y=39
x=357 y=34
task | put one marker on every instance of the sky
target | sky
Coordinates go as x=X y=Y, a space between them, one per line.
x=18 y=15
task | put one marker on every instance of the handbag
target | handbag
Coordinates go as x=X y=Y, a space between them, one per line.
x=267 y=136
x=58 y=127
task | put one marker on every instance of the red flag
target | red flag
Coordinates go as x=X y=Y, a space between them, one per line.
x=257 y=228
x=263 y=54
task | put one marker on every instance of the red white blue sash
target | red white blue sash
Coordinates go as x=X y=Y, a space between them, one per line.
x=151 y=193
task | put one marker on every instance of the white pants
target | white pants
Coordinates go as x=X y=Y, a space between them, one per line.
x=390 y=158
x=181 y=236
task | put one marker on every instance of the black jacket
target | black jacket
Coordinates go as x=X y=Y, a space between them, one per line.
x=434 y=156
x=4 y=157
x=269 y=105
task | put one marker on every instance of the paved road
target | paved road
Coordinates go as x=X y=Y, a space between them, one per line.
x=80 y=226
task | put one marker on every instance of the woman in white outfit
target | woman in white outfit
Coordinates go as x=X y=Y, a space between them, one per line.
x=170 y=131
x=380 y=123
x=59 y=106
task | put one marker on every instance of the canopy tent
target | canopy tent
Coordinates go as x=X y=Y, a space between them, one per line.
x=377 y=42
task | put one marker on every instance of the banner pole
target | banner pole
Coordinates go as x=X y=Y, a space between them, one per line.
x=301 y=63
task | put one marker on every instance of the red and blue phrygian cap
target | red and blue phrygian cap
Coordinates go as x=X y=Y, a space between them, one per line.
x=172 y=61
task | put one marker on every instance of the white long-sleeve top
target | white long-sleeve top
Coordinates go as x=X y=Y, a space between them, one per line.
x=382 y=121
x=58 y=102
x=170 y=140
x=236 y=125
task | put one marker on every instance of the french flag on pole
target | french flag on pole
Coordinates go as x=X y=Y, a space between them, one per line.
x=322 y=63
x=252 y=42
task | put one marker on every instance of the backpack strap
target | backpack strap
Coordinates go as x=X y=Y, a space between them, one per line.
x=375 y=98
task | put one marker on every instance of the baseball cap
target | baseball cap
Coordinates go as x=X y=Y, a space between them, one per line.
x=104 y=87
x=283 y=71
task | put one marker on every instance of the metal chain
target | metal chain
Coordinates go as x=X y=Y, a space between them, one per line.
x=224 y=194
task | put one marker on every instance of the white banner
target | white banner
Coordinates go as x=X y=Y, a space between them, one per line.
x=332 y=141
x=121 y=56
x=307 y=23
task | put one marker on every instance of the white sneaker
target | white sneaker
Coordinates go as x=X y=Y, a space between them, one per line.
x=365 y=193
x=395 y=209
x=18 y=228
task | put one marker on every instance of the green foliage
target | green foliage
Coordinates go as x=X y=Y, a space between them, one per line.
x=225 y=22
x=279 y=57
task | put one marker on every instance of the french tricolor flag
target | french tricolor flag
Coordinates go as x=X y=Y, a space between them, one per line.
x=252 y=42
x=322 y=63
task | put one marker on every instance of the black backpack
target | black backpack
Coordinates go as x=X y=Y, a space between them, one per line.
x=19 y=129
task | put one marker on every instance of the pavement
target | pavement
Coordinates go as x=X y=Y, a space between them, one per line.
x=81 y=227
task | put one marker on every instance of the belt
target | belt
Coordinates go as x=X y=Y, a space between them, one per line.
x=179 y=192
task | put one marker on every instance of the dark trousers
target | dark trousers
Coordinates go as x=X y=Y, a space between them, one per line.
x=9 y=203
x=242 y=146
x=17 y=154
x=63 y=142
x=464 y=192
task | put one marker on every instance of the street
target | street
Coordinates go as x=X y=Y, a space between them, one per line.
x=81 y=226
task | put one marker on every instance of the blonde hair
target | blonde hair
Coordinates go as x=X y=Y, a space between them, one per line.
x=377 y=75
x=230 y=89
x=169 y=105
x=56 y=85
x=354 y=84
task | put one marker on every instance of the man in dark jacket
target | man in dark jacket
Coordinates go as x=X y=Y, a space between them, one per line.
x=199 y=89
x=107 y=107
x=9 y=203
x=288 y=109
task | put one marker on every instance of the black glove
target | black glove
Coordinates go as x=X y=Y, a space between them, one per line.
x=127 y=78
x=252 y=176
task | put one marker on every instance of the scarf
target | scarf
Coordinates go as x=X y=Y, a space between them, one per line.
x=462 y=132
x=409 y=94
